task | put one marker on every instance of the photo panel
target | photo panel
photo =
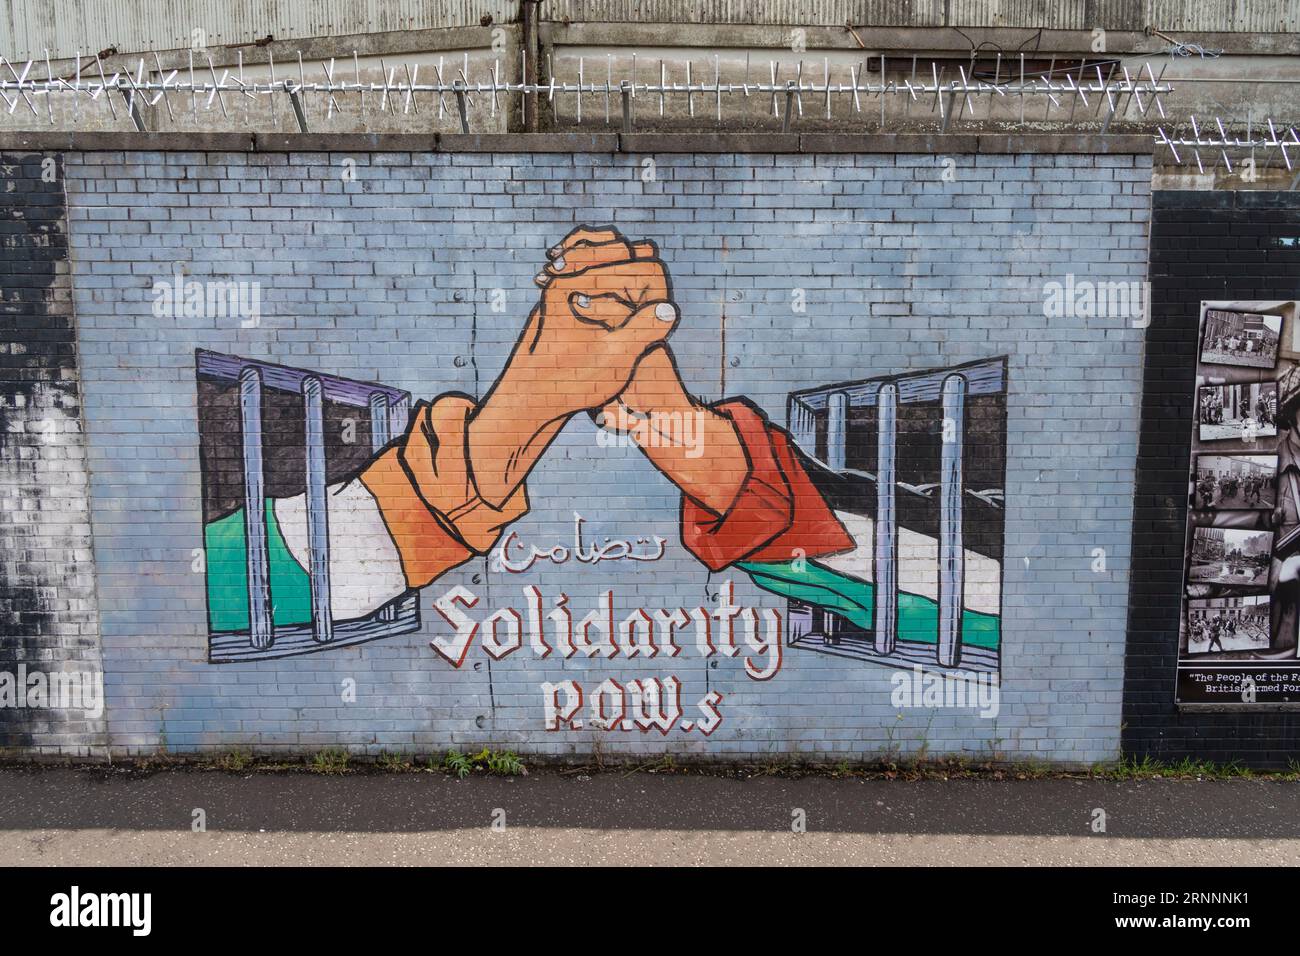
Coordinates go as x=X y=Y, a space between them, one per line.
x=1234 y=481
x=1241 y=412
x=1231 y=556
x=1239 y=633
x=1228 y=625
x=1247 y=339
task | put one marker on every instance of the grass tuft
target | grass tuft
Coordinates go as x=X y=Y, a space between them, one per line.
x=332 y=760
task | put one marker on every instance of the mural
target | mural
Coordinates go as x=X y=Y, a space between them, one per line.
x=330 y=503
x=1237 y=642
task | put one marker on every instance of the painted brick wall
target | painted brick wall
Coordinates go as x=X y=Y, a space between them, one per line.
x=48 y=620
x=392 y=277
x=1204 y=245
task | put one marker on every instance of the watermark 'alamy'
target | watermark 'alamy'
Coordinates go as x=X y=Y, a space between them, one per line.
x=652 y=430
x=57 y=690
x=75 y=909
x=959 y=689
x=1086 y=299
x=212 y=299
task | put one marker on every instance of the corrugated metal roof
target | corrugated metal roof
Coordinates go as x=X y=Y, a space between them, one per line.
x=28 y=27
x=806 y=13
x=1229 y=16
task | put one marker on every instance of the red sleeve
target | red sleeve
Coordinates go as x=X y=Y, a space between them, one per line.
x=777 y=516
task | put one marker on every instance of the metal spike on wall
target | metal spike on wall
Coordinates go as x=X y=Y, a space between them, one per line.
x=401 y=85
x=1218 y=142
x=931 y=91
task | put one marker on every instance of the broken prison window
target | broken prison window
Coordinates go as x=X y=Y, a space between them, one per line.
x=278 y=449
x=914 y=466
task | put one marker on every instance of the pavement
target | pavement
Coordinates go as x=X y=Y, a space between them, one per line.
x=84 y=817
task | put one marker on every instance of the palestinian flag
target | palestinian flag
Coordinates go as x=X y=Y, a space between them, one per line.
x=844 y=584
x=365 y=566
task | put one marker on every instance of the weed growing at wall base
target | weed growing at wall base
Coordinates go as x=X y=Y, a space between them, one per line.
x=500 y=762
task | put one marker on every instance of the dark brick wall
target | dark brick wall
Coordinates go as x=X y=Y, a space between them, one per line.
x=48 y=610
x=1204 y=245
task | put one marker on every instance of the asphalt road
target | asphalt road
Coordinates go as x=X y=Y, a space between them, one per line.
x=96 y=817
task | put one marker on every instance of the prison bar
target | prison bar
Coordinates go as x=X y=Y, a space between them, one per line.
x=379 y=423
x=803 y=425
x=380 y=435
x=261 y=633
x=886 y=552
x=837 y=430
x=399 y=412
x=322 y=621
x=952 y=557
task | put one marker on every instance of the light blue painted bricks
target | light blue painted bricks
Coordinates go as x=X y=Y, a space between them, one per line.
x=416 y=271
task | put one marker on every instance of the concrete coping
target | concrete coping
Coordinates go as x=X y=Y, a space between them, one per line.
x=570 y=142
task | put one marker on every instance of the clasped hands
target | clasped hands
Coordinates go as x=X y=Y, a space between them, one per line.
x=595 y=342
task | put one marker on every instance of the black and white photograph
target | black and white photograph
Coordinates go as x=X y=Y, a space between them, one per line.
x=1240 y=338
x=1228 y=624
x=1241 y=412
x=1235 y=482
x=1231 y=556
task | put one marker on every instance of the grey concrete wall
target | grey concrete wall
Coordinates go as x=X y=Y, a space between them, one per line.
x=906 y=264
x=27 y=28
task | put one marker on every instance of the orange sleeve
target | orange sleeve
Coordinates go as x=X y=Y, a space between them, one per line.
x=423 y=487
x=778 y=515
